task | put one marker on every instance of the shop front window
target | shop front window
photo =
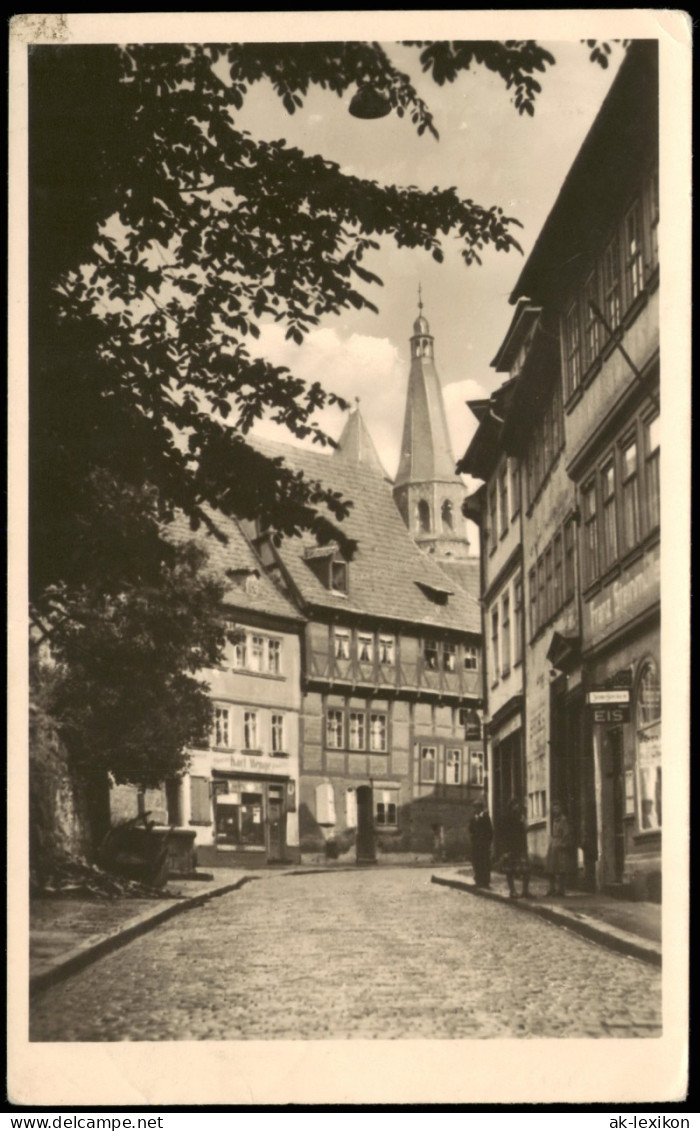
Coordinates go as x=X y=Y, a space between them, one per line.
x=649 y=747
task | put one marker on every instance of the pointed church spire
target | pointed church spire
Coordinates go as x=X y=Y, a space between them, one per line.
x=426 y=452
x=355 y=444
x=427 y=490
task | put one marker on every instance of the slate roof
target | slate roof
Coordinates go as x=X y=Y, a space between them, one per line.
x=251 y=589
x=355 y=444
x=388 y=568
x=465 y=571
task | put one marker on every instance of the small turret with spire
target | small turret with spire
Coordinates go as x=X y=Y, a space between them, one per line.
x=427 y=490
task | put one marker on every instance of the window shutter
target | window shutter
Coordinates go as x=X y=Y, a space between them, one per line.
x=325 y=804
x=200 y=803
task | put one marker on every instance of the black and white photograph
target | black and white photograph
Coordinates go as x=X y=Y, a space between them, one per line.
x=338 y=467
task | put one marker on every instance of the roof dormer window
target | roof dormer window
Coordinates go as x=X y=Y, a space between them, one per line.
x=339 y=575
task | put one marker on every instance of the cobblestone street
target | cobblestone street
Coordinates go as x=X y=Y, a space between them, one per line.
x=367 y=954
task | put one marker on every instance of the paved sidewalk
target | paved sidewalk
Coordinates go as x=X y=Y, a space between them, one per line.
x=629 y=927
x=67 y=934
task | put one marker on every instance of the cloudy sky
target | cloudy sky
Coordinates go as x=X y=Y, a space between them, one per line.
x=492 y=155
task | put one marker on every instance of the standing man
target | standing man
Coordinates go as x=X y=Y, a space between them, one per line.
x=516 y=859
x=481 y=834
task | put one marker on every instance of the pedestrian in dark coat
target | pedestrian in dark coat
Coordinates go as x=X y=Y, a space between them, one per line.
x=481 y=835
x=559 y=852
x=516 y=859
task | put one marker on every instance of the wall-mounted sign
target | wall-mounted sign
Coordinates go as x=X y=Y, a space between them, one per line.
x=612 y=715
x=601 y=697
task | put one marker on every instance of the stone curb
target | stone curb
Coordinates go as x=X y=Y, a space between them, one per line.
x=605 y=935
x=96 y=947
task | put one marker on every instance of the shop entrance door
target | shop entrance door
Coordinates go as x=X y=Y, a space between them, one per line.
x=618 y=800
x=275 y=816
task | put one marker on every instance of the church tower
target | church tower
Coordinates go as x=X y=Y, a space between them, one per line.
x=427 y=491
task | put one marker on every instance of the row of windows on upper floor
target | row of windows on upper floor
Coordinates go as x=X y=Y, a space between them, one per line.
x=620 y=500
x=552 y=581
x=507 y=634
x=437 y=654
x=362 y=729
x=259 y=731
x=258 y=653
x=624 y=271
x=626 y=268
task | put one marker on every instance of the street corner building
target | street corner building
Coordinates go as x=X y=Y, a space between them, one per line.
x=239 y=797
x=568 y=449
x=347 y=717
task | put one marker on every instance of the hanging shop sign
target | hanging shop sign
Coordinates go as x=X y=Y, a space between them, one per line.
x=609 y=705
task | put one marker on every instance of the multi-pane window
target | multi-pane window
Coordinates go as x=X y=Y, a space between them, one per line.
x=341 y=644
x=634 y=258
x=573 y=348
x=503 y=490
x=611 y=283
x=256 y=654
x=590 y=532
x=477 y=767
x=609 y=514
x=493 y=516
x=222 y=735
x=558 y=579
x=557 y=421
x=387 y=649
x=541 y=594
x=514 y=487
x=653 y=196
x=356 y=730
x=386 y=809
x=274 y=656
x=591 y=325
x=250 y=730
x=470 y=658
x=569 y=578
x=549 y=605
x=365 y=647
x=630 y=494
x=277 y=734
x=428 y=763
x=377 y=731
x=494 y=642
x=532 y=578
x=430 y=654
x=334 y=729
x=453 y=767
x=517 y=619
x=505 y=635
x=651 y=450
x=449 y=656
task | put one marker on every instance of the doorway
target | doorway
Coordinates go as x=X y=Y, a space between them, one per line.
x=617 y=775
x=366 y=851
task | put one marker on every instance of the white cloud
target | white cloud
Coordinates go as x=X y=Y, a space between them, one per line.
x=357 y=366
